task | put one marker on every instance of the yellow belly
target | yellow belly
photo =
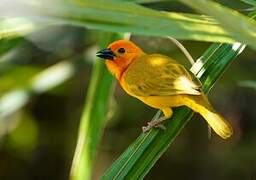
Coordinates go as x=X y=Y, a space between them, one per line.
x=158 y=102
x=161 y=102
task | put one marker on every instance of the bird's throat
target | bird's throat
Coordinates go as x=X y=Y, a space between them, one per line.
x=119 y=65
x=116 y=69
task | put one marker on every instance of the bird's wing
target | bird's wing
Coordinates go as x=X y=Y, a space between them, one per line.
x=158 y=75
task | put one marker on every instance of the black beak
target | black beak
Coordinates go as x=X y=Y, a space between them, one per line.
x=106 y=54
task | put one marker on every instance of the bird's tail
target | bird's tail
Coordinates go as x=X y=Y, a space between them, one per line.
x=218 y=123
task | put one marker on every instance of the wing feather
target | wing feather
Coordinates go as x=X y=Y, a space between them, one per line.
x=158 y=75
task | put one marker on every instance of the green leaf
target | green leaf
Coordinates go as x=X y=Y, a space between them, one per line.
x=117 y=16
x=15 y=27
x=95 y=112
x=16 y=77
x=41 y=82
x=248 y=84
x=251 y=2
x=239 y=26
x=143 y=153
x=146 y=1
x=8 y=44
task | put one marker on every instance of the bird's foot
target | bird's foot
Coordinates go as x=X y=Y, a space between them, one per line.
x=153 y=124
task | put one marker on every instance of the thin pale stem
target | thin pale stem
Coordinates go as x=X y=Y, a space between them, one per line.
x=183 y=49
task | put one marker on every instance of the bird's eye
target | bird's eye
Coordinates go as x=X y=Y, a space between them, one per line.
x=121 y=50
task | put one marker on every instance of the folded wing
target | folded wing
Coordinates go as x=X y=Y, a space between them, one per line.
x=158 y=75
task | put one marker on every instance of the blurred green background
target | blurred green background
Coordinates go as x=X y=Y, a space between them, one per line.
x=40 y=112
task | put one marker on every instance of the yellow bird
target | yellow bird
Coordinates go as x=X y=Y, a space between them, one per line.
x=160 y=82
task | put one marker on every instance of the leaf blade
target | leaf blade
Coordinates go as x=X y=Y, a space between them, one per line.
x=116 y=16
x=238 y=25
x=93 y=116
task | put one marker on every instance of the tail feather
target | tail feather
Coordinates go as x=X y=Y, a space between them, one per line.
x=218 y=123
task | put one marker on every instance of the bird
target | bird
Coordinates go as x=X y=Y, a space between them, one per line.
x=160 y=82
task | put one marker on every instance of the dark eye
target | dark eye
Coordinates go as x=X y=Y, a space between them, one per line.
x=121 y=50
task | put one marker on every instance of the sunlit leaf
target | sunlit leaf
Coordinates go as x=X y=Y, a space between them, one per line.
x=15 y=27
x=117 y=16
x=239 y=26
x=251 y=2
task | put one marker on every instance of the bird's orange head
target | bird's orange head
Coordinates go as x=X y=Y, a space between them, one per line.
x=119 y=55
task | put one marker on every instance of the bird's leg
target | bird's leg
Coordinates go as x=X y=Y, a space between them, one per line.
x=155 y=123
x=158 y=122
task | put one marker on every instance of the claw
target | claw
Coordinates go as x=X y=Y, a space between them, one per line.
x=157 y=123
x=145 y=129
x=161 y=126
x=151 y=125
